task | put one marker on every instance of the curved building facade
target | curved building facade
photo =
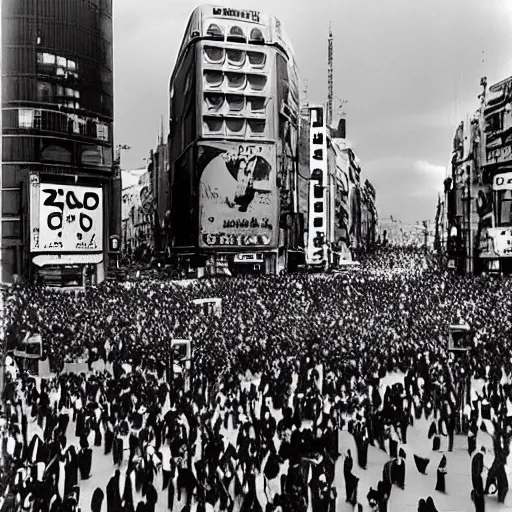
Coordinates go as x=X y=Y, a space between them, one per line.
x=57 y=204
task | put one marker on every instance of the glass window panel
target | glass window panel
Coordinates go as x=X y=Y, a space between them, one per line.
x=257 y=126
x=60 y=90
x=214 y=54
x=318 y=222
x=214 y=78
x=236 y=57
x=71 y=65
x=236 y=80
x=213 y=124
x=26 y=118
x=48 y=58
x=61 y=61
x=319 y=207
x=257 y=104
x=214 y=101
x=69 y=92
x=257 y=59
x=10 y=203
x=235 y=125
x=236 y=102
x=257 y=82
x=77 y=94
x=11 y=229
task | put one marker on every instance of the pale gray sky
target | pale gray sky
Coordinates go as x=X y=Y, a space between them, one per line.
x=409 y=69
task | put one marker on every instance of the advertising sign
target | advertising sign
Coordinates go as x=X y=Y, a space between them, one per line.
x=503 y=181
x=317 y=190
x=499 y=155
x=65 y=218
x=237 y=195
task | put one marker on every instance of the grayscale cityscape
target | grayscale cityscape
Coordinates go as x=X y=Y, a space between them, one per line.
x=256 y=256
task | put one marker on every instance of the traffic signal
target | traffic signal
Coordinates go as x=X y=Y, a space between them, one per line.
x=114 y=243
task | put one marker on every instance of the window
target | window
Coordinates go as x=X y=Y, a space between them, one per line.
x=11 y=203
x=236 y=34
x=236 y=80
x=46 y=58
x=504 y=208
x=256 y=59
x=318 y=192
x=26 y=118
x=44 y=92
x=236 y=102
x=319 y=207
x=102 y=131
x=214 y=101
x=214 y=54
x=257 y=82
x=256 y=103
x=236 y=57
x=11 y=229
x=215 y=32
x=213 y=78
x=318 y=222
x=256 y=36
x=213 y=124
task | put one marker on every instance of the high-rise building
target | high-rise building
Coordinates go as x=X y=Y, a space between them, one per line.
x=57 y=208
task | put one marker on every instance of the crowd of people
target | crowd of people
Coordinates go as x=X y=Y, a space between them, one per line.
x=291 y=361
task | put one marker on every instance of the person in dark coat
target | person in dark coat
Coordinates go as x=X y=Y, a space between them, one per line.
x=85 y=460
x=430 y=506
x=113 y=493
x=477 y=466
x=478 y=500
x=421 y=464
x=441 y=473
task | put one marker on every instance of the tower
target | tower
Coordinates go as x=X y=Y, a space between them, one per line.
x=329 y=78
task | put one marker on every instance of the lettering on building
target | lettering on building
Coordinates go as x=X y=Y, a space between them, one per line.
x=235 y=13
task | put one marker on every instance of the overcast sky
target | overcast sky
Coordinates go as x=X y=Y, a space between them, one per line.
x=409 y=69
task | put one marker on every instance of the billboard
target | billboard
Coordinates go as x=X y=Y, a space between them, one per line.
x=65 y=218
x=317 y=186
x=237 y=195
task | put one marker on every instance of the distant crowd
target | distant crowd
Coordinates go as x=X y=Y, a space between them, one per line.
x=319 y=345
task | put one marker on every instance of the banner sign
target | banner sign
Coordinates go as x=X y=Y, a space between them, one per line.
x=503 y=181
x=318 y=181
x=237 y=195
x=65 y=218
x=499 y=155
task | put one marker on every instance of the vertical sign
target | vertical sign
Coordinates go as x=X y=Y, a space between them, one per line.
x=317 y=186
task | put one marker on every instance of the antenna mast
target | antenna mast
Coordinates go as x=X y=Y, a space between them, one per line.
x=329 y=78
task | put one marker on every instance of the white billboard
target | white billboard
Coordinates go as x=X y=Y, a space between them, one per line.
x=317 y=228
x=503 y=181
x=65 y=218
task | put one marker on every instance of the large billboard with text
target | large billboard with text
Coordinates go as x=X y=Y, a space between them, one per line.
x=65 y=218
x=237 y=195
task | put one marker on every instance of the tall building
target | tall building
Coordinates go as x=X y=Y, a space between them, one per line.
x=479 y=190
x=57 y=208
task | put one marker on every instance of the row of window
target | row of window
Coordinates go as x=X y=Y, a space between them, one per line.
x=234 y=127
x=61 y=63
x=223 y=103
x=26 y=149
x=27 y=88
x=233 y=80
x=234 y=33
x=61 y=122
x=58 y=9
x=235 y=57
